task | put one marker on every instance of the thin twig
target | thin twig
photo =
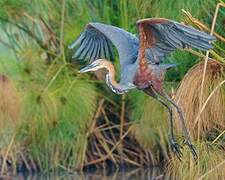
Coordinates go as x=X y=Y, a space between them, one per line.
x=114 y=147
x=62 y=31
x=211 y=170
x=108 y=122
x=97 y=114
x=122 y=126
x=218 y=137
x=206 y=101
x=201 y=25
x=25 y=162
x=54 y=78
x=7 y=153
x=105 y=146
x=195 y=52
x=204 y=70
x=48 y=27
x=122 y=115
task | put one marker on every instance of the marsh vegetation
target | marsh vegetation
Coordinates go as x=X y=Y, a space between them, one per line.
x=53 y=118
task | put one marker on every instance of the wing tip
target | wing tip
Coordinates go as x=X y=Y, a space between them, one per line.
x=70 y=46
x=213 y=38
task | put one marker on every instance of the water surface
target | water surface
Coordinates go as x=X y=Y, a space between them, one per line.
x=131 y=174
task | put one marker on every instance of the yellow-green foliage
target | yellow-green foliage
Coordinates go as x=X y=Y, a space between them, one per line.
x=56 y=107
x=210 y=165
x=150 y=123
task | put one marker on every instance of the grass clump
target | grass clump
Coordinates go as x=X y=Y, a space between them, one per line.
x=56 y=110
x=187 y=96
x=210 y=164
x=150 y=124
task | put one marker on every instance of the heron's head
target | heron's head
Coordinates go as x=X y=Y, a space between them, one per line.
x=96 y=65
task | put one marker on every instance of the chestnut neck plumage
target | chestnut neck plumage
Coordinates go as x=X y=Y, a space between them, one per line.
x=111 y=82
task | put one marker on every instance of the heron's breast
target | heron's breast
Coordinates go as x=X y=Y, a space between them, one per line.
x=143 y=77
x=149 y=76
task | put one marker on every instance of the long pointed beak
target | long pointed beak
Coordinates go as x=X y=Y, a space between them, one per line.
x=87 y=68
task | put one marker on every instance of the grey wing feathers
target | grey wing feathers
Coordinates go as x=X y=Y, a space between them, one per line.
x=91 y=45
x=171 y=36
x=97 y=40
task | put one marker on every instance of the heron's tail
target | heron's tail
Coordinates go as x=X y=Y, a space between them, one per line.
x=166 y=66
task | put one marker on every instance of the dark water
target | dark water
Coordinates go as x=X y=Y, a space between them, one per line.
x=139 y=174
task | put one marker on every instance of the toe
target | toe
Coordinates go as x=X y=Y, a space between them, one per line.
x=192 y=149
x=176 y=148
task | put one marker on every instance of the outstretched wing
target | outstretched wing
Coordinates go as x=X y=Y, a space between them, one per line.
x=159 y=37
x=96 y=42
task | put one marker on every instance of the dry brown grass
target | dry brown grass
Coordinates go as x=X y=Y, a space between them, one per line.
x=213 y=116
x=9 y=100
x=108 y=147
x=9 y=118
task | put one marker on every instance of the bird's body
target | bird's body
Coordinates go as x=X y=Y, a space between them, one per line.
x=148 y=74
x=141 y=59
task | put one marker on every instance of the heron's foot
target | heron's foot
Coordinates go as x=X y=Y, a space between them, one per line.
x=192 y=149
x=176 y=148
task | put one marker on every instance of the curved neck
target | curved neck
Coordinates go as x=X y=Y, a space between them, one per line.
x=111 y=82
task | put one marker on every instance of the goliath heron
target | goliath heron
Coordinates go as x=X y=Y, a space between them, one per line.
x=141 y=59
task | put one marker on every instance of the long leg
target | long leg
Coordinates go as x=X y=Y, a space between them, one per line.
x=174 y=145
x=186 y=134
